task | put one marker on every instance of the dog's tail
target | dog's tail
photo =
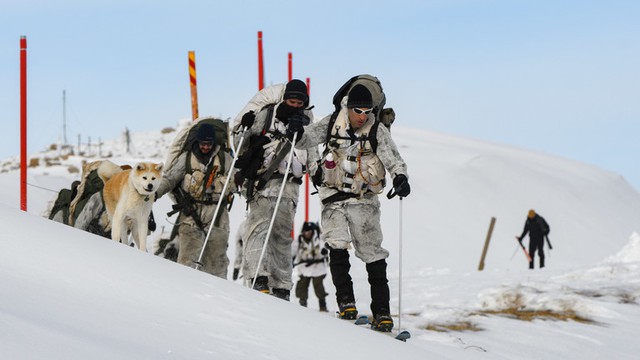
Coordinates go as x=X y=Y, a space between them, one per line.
x=107 y=169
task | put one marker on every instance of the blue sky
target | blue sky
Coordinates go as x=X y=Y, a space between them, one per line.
x=561 y=77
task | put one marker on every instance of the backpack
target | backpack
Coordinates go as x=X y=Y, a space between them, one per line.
x=187 y=136
x=183 y=142
x=544 y=226
x=63 y=202
x=382 y=115
x=89 y=185
x=270 y=95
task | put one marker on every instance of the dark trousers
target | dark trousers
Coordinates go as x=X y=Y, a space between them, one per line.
x=302 y=287
x=536 y=244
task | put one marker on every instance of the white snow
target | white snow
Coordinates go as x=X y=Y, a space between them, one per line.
x=68 y=294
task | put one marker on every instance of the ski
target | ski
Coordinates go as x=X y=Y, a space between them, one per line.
x=362 y=320
x=526 y=253
x=402 y=335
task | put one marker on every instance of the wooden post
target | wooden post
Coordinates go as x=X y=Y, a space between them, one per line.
x=486 y=244
x=23 y=123
x=194 y=85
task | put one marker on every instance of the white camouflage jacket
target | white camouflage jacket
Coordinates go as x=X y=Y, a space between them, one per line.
x=357 y=170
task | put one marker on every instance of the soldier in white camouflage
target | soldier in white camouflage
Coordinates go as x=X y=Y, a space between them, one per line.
x=263 y=164
x=353 y=174
x=198 y=176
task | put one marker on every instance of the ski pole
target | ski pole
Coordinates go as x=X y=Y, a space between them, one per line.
x=275 y=211
x=526 y=253
x=400 y=270
x=514 y=253
x=197 y=264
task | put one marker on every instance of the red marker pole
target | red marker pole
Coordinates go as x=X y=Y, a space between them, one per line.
x=306 y=176
x=260 y=63
x=23 y=123
x=289 y=78
x=194 y=85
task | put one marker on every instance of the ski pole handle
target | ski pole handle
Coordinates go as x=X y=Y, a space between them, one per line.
x=391 y=193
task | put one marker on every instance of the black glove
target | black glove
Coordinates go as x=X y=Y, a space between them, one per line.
x=324 y=251
x=251 y=159
x=248 y=119
x=238 y=179
x=401 y=185
x=317 y=178
x=151 y=224
x=297 y=123
x=236 y=272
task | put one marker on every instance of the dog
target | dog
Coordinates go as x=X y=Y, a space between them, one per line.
x=129 y=196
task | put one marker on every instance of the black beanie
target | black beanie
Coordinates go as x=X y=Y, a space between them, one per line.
x=206 y=132
x=308 y=226
x=296 y=89
x=359 y=97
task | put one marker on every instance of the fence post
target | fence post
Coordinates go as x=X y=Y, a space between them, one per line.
x=486 y=244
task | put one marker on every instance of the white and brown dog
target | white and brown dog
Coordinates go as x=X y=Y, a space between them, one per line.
x=128 y=196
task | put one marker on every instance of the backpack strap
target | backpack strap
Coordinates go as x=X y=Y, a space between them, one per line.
x=209 y=172
x=371 y=137
x=281 y=152
x=332 y=122
x=267 y=122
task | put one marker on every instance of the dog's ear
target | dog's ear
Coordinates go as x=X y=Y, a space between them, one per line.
x=159 y=166
x=125 y=167
x=141 y=166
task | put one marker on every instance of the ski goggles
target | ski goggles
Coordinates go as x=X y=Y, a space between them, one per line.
x=362 y=111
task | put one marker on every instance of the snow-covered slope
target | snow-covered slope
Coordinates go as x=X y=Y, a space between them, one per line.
x=70 y=295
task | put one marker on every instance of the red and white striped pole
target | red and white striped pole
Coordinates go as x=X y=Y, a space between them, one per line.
x=194 y=85
x=23 y=123
x=260 y=63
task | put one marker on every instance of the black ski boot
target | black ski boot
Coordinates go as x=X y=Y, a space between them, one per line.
x=348 y=310
x=281 y=294
x=303 y=302
x=322 y=304
x=339 y=266
x=382 y=322
x=262 y=284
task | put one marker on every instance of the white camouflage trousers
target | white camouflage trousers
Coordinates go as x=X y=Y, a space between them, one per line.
x=355 y=221
x=276 y=263
x=191 y=238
